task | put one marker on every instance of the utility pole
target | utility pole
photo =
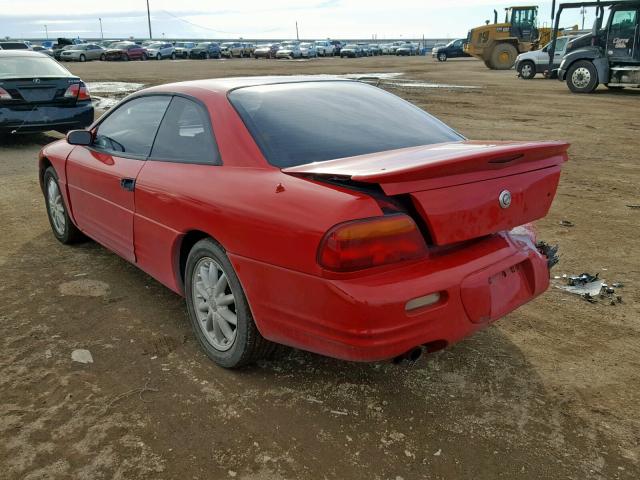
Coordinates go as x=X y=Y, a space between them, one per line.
x=149 y=20
x=46 y=32
x=297 y=35
x=101 y=34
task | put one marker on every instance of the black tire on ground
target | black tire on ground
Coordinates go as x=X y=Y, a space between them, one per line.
x=125 y=57
x=143 y=57
x=173 y=56
x=527 y=70
x=83 y=58
x=503 y=56
x=442 y=57
x=206 y=56
x=248 y=345
x=103 y=57
x=582 y=77
x=158 y=57
x=70 y=233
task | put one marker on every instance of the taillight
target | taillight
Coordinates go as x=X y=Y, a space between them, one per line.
x=371 y=242
x=79 y=91
x=4 y=95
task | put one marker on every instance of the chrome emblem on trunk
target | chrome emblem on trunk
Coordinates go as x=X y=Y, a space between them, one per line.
x=505 y=199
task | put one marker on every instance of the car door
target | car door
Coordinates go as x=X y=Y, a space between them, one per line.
x=621 y=39
x=93 y=52
x=184 y=157
x=102 y=177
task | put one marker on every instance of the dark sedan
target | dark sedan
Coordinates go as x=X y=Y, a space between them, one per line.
x=205 y=50
x=453 y=49
x=125 y=51
x=39 y=94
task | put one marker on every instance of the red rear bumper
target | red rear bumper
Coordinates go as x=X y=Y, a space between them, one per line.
x=365 y=319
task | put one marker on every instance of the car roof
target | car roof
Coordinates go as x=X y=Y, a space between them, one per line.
x=224 y=85
x=22 y=53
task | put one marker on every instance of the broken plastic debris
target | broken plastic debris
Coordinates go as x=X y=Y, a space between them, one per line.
x=591 y=288
x=566 y=223
x=81 y=356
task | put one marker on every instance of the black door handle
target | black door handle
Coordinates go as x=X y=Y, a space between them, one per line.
x=128 y=184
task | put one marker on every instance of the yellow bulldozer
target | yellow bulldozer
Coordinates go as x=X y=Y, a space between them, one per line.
x=499 y=44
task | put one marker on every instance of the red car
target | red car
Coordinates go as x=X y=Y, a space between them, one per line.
x=330 y=216
x=125 y=51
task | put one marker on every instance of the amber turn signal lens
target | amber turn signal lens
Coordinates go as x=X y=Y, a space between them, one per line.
x=371 y=242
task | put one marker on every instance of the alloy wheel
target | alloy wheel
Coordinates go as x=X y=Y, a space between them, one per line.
x=56 y=207
x=215 y=304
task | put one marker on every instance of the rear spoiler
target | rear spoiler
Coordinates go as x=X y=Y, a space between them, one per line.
x=439 y=165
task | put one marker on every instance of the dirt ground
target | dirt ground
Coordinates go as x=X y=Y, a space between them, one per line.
x=551 y=391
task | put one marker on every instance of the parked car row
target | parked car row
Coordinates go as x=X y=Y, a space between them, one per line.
x=81 y=51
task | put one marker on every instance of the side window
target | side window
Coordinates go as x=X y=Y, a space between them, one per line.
x=131 y=128
x=185 y=135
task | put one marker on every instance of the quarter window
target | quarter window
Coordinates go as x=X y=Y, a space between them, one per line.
x=185 y=135
x=132 y=127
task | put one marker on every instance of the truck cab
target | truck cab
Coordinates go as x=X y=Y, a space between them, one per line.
x=612 y=56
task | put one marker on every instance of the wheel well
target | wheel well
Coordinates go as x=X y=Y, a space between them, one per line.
x=44 y=164
x=188 y=241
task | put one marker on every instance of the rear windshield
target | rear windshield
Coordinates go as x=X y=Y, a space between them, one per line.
x=14 y=46
x=31 y=66
x=299 y=123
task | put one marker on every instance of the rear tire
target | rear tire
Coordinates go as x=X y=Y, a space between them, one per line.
x=125 y=58
x=582 y=77
x=143 y=57
x=83 y=58
x=173 y=56
x=61 y=225
x=503 y=56
x=228 y=345
x=103 y=57
x=527 y=70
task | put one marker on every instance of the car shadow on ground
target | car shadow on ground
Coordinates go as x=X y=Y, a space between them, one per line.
x=24 y=140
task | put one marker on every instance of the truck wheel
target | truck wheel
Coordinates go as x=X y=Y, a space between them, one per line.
x=527 y=70
x=442 y=57
x=582 y=77
x=503 y=56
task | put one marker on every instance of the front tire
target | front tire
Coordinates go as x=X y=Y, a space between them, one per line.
x=503 y=56
x=173 y=56
x=527 y=70
x=83 y=58
x=218 y=309
x=61 y=225
x=103 y=57
x=442 y=57
x=582 y=77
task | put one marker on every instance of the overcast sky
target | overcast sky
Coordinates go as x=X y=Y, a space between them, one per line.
x=253 y=19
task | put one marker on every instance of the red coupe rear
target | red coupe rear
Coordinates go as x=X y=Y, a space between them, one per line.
x=326 y=215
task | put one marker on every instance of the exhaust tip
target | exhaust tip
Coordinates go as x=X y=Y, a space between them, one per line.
x=409 y=357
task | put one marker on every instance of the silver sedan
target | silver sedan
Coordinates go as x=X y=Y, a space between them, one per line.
x=83 y=52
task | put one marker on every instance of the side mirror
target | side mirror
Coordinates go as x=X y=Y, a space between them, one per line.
x=79 y=137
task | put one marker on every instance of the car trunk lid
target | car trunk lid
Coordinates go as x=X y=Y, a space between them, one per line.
x=461 y=190
x=38 y=90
